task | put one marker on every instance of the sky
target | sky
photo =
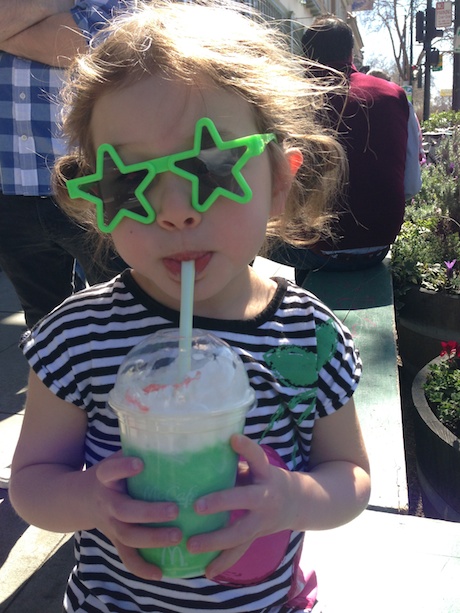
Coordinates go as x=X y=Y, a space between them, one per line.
x=378 y=44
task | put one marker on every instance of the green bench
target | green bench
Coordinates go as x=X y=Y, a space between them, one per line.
x=363 y=300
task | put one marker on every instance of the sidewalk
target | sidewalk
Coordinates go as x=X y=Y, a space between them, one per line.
x=379 y=562
x=34 y=564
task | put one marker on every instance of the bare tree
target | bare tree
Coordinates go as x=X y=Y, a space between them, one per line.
x=395 y=17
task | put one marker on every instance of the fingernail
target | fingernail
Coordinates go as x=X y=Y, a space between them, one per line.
x=193 y=546
x=175 y=536
x=137 y=463
x=201 y=505
x=171 y=511
x=157 y=575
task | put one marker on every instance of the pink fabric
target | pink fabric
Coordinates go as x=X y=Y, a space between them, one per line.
x=265 y=555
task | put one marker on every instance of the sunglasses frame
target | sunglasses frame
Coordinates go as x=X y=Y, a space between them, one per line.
x=255 y=145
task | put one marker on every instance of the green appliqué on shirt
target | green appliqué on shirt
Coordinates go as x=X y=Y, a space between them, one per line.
x=298 y=367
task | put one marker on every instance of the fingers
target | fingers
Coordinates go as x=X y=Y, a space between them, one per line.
x=111 y=474
x=225 y=561
x=253 y=454
x=262 y=499
x=126 y=509
x=132 y=524
x=127 y=528
x=137 y=537
x=235 y=538
x=136 y=564
x=239 y=533
x=112 y=471
x=238 y=497
x=127 y=518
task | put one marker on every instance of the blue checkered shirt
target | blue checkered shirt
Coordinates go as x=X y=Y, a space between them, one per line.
x=29 y=113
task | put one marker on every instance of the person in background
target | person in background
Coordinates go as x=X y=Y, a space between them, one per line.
x=373 y=122
x=189 y=124
x=414 y=124
x=379 y=73
x=39 y=243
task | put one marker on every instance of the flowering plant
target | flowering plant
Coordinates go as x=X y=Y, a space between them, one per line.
x=427 y=250
x=442 y=387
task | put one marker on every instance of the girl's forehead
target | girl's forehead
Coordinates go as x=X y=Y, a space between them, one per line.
x=164 y=112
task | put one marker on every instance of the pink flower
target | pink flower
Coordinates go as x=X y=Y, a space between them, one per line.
x=450 y=348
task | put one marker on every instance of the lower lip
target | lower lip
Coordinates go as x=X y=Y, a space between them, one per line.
x=174 y=266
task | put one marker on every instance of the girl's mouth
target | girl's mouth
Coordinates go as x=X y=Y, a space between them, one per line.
x=173 y=264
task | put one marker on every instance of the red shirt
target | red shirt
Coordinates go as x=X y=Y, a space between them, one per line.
x=372 y=127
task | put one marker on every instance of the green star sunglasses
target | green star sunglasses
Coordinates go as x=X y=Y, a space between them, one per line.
x=213 y=167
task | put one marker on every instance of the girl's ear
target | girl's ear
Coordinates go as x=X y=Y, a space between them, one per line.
x=283 y=180
x=295 y=160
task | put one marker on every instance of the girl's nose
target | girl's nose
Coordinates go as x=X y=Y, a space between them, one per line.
x=172 y=203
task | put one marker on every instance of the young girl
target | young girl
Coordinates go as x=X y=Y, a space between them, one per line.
x=189 y=125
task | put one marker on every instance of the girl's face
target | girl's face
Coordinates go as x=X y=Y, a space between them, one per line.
x=155 y=118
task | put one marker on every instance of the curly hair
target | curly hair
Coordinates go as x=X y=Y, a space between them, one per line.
x=240 y=53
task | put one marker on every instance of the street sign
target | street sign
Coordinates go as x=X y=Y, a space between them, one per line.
x=408 y=90
x=443 y=15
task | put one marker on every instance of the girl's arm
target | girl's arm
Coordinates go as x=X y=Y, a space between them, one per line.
x=332 y=493
x=339 y=476
x=50 y=489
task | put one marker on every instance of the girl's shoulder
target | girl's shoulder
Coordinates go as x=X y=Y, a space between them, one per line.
x=81 y=312
x=96 y=301
x=309 y=325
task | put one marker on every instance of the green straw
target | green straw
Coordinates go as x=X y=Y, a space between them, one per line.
x=186 y=317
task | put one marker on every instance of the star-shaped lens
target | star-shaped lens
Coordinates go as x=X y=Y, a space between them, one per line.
x=214 y=167
x=116 y=189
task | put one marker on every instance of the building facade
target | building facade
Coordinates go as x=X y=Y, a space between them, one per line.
x=295 y=15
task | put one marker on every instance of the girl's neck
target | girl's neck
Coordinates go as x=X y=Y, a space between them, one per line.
x=246 y=303
x=247 y=297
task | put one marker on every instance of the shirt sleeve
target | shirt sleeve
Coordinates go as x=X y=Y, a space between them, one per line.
x=412 y=172
x=55 y=372
x=91 y=15
x=339 y=366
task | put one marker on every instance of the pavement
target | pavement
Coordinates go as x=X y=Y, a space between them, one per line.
x=381 y=561
x=34 y=563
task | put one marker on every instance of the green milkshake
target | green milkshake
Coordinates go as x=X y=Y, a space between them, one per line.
x=213 y=469
x=181 y=431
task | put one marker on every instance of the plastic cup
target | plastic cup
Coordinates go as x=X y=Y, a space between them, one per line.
x=181 y=431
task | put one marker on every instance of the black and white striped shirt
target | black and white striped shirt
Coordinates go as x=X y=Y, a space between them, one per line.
x=302 y=364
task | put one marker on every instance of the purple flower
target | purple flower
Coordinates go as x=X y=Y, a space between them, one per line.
x=450 y=268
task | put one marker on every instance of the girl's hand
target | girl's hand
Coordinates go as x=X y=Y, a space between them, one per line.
x=120 y=517
x=264 y=498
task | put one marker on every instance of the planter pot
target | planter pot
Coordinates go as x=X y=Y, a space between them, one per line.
x=437 y=454
x=426 y=319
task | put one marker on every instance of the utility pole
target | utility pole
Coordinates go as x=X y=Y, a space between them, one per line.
x=411 y=42
x=427 y=48
x=456 y=76
x=425 y=30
